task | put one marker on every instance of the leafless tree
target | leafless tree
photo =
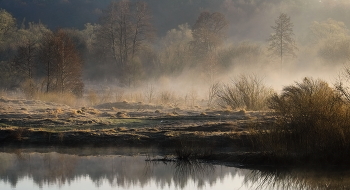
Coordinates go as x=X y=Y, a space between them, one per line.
x=125 y=27
x=63 y=64
x=24 y=61
x=208 y=32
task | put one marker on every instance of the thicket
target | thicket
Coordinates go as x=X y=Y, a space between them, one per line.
x=313 y=123
x=245 y=92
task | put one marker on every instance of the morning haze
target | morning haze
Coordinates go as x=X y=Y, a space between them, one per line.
x=255 y=81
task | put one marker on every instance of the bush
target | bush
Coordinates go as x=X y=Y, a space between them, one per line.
x=245 y=92
x=313 y=119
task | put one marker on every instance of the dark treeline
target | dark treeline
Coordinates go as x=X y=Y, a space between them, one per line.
x=129 y=42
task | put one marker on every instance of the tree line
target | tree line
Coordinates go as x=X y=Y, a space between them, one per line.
x=122 y=48
x=34 y=52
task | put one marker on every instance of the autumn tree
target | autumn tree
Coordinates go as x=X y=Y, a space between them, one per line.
x=63 y=64
x=281 y=42
x=125 y=28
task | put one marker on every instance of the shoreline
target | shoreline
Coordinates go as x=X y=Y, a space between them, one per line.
x=213 y=135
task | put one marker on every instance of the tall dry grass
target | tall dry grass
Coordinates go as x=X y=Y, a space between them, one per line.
x=245 y=92
x=62 y=98
x=33 y=90
x=313 y=121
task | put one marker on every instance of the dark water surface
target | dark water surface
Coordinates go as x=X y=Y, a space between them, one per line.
x=91 y=168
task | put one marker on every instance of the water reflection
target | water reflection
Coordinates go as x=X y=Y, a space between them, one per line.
x=119 y=171
x=184 y=171
x=52 y=169
x=305 y=179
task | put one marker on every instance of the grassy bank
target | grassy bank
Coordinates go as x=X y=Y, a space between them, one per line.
x=308 y=123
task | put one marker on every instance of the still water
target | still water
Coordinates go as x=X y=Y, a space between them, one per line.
x=109 y=169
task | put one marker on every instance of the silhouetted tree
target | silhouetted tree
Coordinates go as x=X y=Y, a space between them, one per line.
x=281 y=42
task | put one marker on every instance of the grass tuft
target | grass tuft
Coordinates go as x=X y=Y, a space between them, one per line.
x=313 y=123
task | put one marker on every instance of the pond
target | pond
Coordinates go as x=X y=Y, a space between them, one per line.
x=91 y=168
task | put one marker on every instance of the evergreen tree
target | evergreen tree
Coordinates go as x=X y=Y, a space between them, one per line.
x=281 y=42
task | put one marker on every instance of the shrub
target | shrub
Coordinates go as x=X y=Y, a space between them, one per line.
x=246 y=92
x=313 y=119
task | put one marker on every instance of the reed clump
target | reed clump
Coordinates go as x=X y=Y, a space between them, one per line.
x=313 y=123
x=245 y=92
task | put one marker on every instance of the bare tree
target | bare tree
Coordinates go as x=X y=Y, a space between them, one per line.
x=28 y=41
x=63 y=62
x=125 y=27
x=281 y=42
x=47 y=57
x=24 y=61
x=208 y=32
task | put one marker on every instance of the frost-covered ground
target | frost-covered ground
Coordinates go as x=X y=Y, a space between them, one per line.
x=123 y=124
